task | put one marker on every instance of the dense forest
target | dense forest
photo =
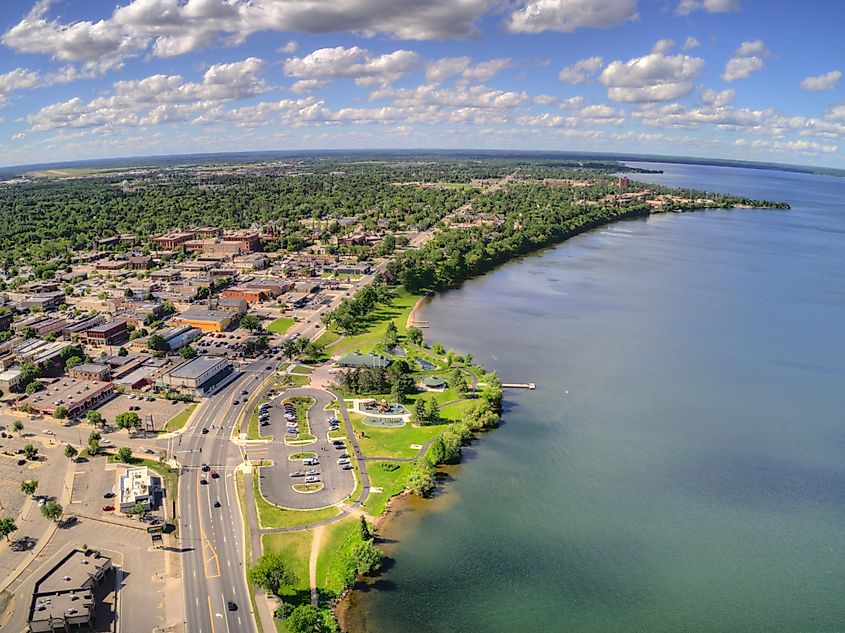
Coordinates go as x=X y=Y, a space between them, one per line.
x=45 y=221
x=533 y=216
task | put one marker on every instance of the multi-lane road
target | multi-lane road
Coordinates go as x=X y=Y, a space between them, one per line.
x=212 y=538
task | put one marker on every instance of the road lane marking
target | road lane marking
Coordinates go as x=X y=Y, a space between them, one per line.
x=210 y=615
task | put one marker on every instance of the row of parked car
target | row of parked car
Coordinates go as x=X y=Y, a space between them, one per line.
x=290 y=418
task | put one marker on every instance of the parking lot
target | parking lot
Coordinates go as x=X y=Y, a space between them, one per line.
x=95 y=485
x=160 y=409
x=276 y=481
x=12 y=473
x=228 y=343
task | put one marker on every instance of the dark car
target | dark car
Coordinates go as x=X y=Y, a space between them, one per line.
x=205 y=468
x=236 y=401
x=269 y=367
x=108 y=495
x=204 y=431
x=216 y=504
x=21 y=462
x=231 y=606
x=244 y=392
x=203 y=481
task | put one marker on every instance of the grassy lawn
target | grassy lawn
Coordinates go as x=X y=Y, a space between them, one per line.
x=299 y=456
x=455 y=411
x=295 y=547
x=302 y=369
x=293 y=380
x=338 y=540
x=280 y=325
x=301 y=404
x=270 y=515
x=392 y=442
x=376 y=323
x=392 y=482
x=179 y=420
x=328 y=337
x=252 y=430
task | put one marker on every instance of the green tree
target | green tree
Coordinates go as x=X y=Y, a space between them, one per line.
x=188 y=352
x=30 y=452
x=52 y=510
x=304 y=619
x=128 y=420
x=17 y=425
x=419 y=416
x=415 y=335
x=438 y=349
x=7 y=526
x=61 y=412
x=35 y=385
x=271 y=573
x=123 y=351
x=71 y=452
x=314 y=351
x=72 y=362
x=29 y=372
x=433 y=412
x=368 y=558
x=251 y=322
x=157 y=343
x=290 y=348
x=29 y=486
x=421 y=479
x=459 y=382
x=437 y=451
x=94 y=443
x=364 y=529
x=138 y=509
x=95 y=418
x=391 y=335
x=124 y=454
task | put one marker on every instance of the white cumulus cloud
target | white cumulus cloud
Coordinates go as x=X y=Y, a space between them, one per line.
x=685 y=7
x=175 y=27
x=746 y=59
x=582 y=70
x=354 y=63
x=536 y=16
x=651 y=78
x=822 y=82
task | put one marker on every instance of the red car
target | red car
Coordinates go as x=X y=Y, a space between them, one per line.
x=214 y=474
x=108 y=508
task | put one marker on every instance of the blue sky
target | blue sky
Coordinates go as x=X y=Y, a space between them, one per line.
x=747 y=79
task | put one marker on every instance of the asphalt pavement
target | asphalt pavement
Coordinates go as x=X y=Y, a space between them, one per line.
x=276 y=482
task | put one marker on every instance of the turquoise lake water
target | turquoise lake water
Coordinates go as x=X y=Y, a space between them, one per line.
x=681 y=465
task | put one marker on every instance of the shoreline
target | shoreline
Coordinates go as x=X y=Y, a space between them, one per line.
x=347 y=607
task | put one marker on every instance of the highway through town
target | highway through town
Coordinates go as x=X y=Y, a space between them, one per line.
x=212 y=538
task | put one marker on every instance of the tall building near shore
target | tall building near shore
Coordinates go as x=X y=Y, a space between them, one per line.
x=624 y=182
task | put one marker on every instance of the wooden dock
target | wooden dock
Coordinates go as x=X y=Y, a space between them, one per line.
x=518 y=385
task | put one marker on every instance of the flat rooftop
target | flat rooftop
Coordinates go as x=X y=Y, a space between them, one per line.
x=72 y=572
x=198 y=366
x=68 y=391
x=205 y=315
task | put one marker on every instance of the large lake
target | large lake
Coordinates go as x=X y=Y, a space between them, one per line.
x=681 y=465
